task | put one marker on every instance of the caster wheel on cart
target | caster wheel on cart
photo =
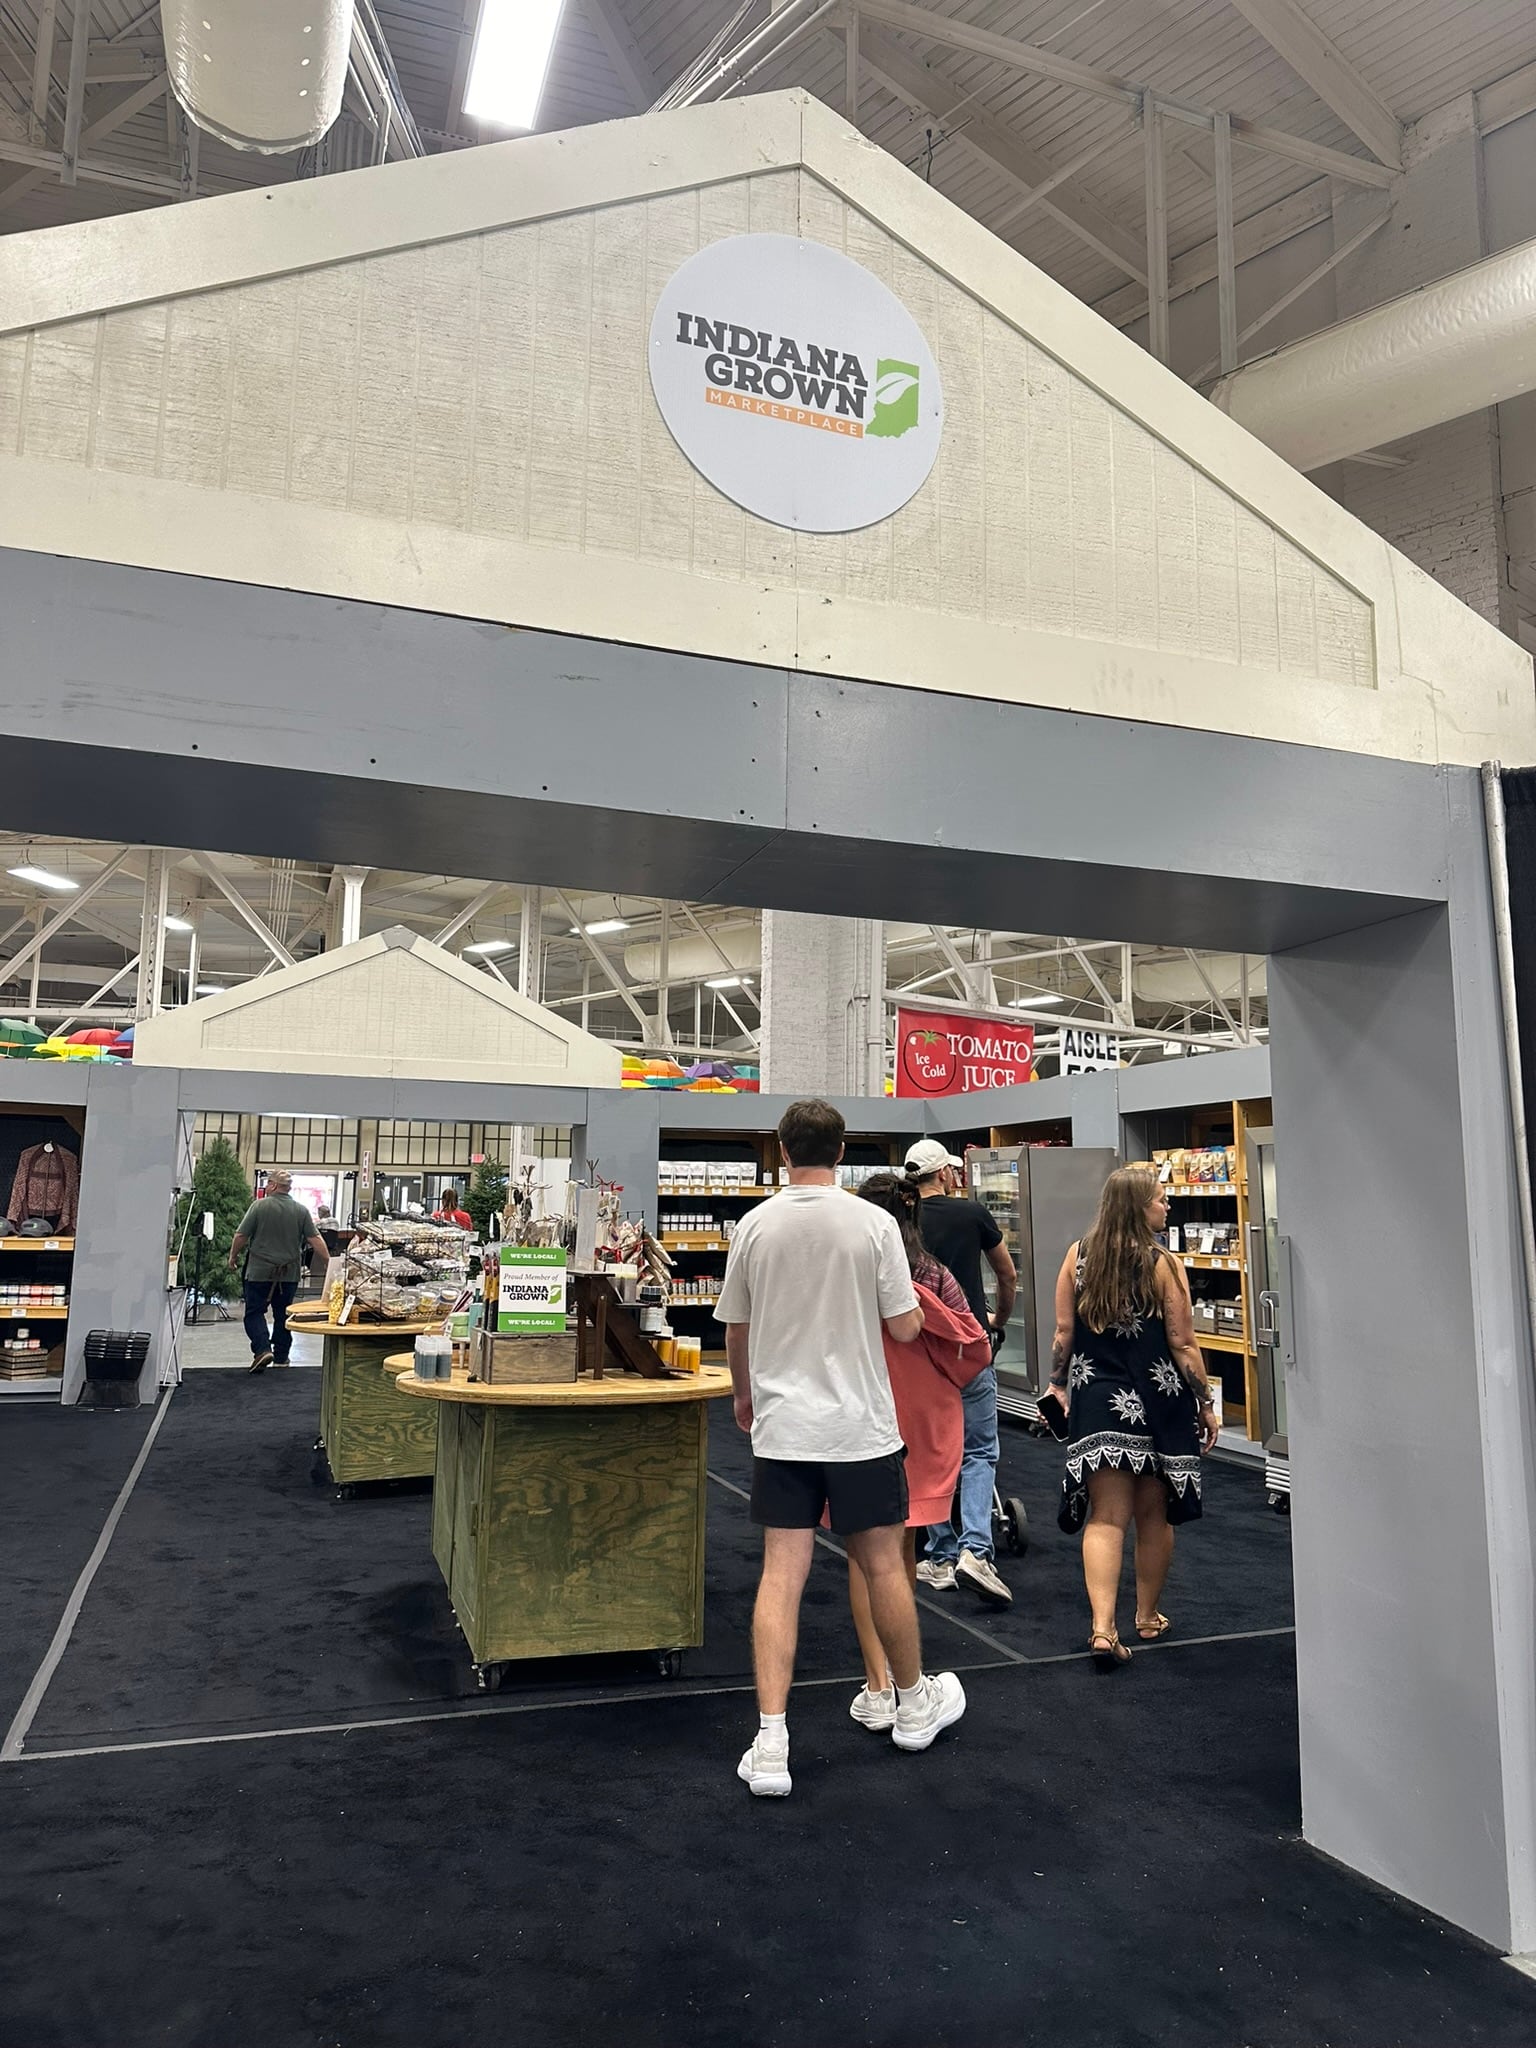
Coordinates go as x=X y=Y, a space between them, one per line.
x=1016 y=1526
x=342 y=1493
x=669 y=1663
x=1281 y=1503
x=488 y=1677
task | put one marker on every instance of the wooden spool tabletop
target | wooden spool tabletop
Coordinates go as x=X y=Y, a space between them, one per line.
x=354 y=1329
x=612 y=1391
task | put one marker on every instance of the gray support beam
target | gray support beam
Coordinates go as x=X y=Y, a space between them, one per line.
x=1226 y=263
x=530 y=950
x=42 y=71
x=1412 y=1416
x=620 y=1140
x=157 y=876
x=74 y=92
x=128 y=1164
x=1157 y=228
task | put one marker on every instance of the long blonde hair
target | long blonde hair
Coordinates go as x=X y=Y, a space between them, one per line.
x=1119 y=1256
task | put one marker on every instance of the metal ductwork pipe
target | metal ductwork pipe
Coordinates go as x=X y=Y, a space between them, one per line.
x=1451 y=348
x=265 y=75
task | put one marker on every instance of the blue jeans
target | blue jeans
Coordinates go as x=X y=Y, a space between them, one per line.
x=978 y=1476
x=260 y=1295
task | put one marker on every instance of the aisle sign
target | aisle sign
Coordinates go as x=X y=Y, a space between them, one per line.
x=1088 y=1052
x=943 y=1052
x=531 y=1290
x=796 y=382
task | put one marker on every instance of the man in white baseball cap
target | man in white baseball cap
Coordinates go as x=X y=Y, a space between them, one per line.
x=959 y=1233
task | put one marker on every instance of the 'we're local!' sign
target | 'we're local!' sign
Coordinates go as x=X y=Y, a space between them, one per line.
x=530 y=1290
x=941 y=1052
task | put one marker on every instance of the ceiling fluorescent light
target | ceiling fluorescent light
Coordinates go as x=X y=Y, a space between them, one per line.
x=42 y=878
x=728 y=981
x=177 y=924
x=510 y=63
x=491 y=946
x=1035 y=1002
x=604 y=924
x=210 y=988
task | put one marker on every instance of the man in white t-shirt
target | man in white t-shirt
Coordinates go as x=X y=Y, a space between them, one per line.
x=811 y=1277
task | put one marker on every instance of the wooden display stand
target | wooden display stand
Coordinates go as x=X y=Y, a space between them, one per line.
x=569 y=1520
x=365 y=1433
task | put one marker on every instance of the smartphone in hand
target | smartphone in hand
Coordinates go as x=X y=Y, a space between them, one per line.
x=1052 y=1413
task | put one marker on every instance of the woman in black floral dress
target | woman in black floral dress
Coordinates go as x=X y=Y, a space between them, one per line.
x=1126 y=1365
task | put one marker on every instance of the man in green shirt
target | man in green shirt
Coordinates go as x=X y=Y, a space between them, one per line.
x=276 y=1230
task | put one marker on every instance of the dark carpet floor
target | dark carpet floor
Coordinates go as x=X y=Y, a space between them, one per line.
x=1088 y=1862
x=60 y=1471
x=266 y=1602
x=594 y=1874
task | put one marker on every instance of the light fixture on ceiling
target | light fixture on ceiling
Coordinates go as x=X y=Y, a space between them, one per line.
x=177 y=924
x=1035 y=1002
x=603 y=924
x=210 y=988
x=728 y=981
x=510 y=62
x=491 y=946
x=43 y=878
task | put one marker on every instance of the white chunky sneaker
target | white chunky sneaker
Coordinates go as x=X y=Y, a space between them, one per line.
x=940 y=1703
x=980 y=1574
x=936 y=1573
x=766 y=1771
x=874 y=1709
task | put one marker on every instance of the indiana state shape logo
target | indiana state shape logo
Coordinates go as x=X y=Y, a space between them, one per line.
x=896 y=399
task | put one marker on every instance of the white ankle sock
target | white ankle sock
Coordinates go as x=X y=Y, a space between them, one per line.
x=773 y=1730
x=910 y=1692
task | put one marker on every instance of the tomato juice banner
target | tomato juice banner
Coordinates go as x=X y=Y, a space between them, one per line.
x=941 y=1052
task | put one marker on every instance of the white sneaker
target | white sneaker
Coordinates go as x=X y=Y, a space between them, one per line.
x=981 y=1575
x=874 y=1709
x=936 y=1573
x=940 y=1703
x=766 y=1771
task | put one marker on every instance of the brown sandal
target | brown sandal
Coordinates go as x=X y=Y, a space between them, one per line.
x=1154 y=1626
x=1112 y=1655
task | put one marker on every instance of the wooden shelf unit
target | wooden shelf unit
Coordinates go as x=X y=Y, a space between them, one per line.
x=10 y=1313
x=37 y=1244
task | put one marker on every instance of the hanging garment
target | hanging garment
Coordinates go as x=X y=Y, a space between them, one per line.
x=47 y=1183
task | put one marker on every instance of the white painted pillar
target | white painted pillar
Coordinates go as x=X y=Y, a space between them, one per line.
x=352 y=880
x=823 y=992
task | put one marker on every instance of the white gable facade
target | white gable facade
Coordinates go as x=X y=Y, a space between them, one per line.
x=392 y=1005
x=427 y=384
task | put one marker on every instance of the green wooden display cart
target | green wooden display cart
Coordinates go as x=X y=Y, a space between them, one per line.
x=366 y=1434
x=568 y=1520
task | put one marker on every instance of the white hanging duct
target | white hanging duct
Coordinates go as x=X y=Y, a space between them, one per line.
x=1451 y=348
x=266 y=75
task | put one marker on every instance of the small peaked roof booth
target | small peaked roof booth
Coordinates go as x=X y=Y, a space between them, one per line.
x=393 y=1005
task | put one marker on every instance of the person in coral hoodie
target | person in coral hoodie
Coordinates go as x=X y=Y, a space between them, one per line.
x=927 y=1378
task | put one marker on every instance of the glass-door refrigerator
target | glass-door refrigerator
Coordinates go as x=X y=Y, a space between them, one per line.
x=1041 y=1197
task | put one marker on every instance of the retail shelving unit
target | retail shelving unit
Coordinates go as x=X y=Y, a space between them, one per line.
x=1220 y=1280
x=35 y=1263
x=722 y=1196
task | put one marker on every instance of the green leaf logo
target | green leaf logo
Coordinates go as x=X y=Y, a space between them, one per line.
x=896 y=400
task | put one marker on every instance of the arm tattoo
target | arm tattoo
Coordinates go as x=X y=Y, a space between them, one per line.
x=1061 y=1352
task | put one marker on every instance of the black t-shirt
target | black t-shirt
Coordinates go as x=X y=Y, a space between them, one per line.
x=957 y=1231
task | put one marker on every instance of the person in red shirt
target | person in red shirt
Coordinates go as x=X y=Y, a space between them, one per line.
x=450 y=1212
x=927 y=1378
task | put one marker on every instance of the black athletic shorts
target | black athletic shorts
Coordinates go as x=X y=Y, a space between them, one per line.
x=868 y=1494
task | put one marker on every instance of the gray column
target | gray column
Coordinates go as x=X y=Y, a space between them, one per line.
x=823 y=993
x=621 y=1139
x=127 y=1175
x=1411 y=1416
x=1096 y=1109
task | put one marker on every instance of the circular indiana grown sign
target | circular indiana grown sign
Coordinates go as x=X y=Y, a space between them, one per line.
x=796 y=383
